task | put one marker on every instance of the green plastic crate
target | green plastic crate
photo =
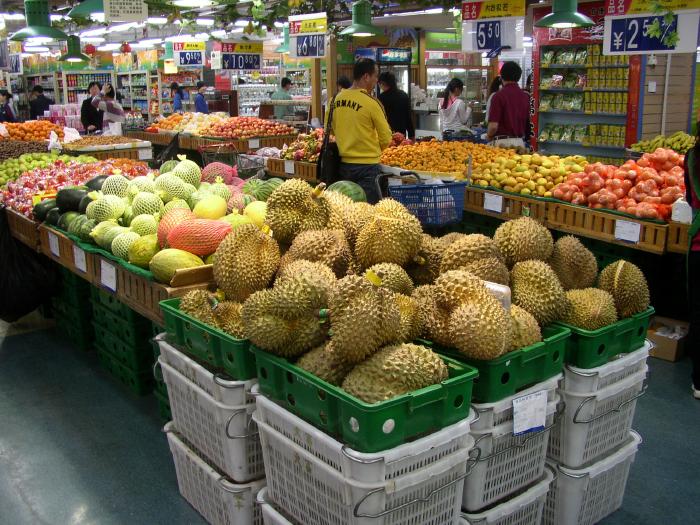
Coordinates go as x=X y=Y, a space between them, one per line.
x=135 y=332
x=155 y=331
x=73 y=289
x=161 y=388
x=163 y=406
x=506 y=375
x=140 y=383
x=113 y=304
x=593 y=348
x=83 y=340
x=138 y=358
x=79 y=316
x=362 y=426
x=208 y=344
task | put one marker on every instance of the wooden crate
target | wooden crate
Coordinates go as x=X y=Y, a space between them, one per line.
x=242 y=145
x=23 y=229
x=513 y=206
x=160 y=139
x=597 y=224
x=677 y=241
x=131 y=153
x=57 y=246
x=143 y=295
x=292 y=169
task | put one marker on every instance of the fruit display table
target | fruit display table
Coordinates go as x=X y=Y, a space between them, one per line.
x=23 y=229
x=137 y=150
x=159 y=139
x=292 y=169
x=193 y=142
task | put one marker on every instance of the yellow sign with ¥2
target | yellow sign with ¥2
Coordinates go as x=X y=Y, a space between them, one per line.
x=635 y=7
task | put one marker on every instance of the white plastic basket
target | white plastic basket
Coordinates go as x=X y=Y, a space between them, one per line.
x=224 y=434
x=523 y=509
x=506 y=463
x=501 y=412
x=220 y=501
x=270 y=515
x=595 y=423
x=376 y=467
x=592 y=379
x=221 y=388
x=314 y=493
x=586 y=496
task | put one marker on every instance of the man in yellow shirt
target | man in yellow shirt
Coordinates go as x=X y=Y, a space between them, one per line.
x=361 y=129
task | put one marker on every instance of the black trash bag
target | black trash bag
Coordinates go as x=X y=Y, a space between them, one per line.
x=169 y=152
x=27 y=278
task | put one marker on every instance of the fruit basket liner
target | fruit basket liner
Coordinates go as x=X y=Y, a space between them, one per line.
x=508 y=374
x=593 y=348
x=362 y=426
x=207 y=343
x=92 y=248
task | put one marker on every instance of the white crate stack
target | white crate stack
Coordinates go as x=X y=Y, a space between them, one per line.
x=312 y=479
x=593 y=446
x=213 y=439
x=509 y=482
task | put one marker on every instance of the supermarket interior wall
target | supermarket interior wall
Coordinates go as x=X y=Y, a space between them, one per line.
x=680 y=95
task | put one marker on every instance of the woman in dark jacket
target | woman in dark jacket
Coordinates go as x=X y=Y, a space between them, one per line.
x=6 y=113
x=397 y=106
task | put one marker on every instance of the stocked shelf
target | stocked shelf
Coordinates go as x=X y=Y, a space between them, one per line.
x=581 y=113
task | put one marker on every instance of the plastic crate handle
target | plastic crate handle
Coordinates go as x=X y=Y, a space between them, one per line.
x=471 y=463
x=618 y=409
x=230 y=420
x=156 y=366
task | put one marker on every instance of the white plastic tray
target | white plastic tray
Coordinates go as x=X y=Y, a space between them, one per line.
x=592 y=379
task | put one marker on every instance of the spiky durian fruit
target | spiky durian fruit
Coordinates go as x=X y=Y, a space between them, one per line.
x=435 y=318
x=291 y=268
x=480 y=327
x=393 y=277
x=355 y=218
x=455 y=287
x=304 y=292
x=466 y=250
x=523 y=239
x=393 y=371
x=294 y=207
x=536 y=288
x=245 y=262
x=590 y=309
x=524 y=328
x=325 y=363
x=446 y=240
x=628 y=286
x=491 y=269
x=573 y=263
x=411 y=317
x=198 y=304
x=391 y=235
x=325 y=246
x=424 y=268
x=339 y=205
x=228 y=318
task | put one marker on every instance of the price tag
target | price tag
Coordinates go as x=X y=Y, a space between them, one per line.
x=108 y=275
x=145 y=153
x=627 y=231
x=289 y=167
x=529 y=412
x=253 y=143
x=79 y=259
x=53 y=245
x=493 y=202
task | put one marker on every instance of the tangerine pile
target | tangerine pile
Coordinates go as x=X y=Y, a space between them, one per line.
x=170 y=122
x=33 y=130
x=440 y=156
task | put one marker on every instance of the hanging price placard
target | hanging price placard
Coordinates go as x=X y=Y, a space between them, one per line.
x=241 y=55
x=308 y=24
x=641 y=35
x=308 y=46
x=486 y=35
x=493 y=9
x=189 y=53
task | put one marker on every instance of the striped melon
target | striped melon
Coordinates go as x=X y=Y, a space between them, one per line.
x=349 y=189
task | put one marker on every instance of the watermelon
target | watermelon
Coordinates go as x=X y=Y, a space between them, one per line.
x=349 y=189
x=264 y=191
x=170 y=220
x=198 y=236
x=251 y=186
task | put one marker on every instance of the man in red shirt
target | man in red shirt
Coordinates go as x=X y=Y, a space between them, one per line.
x=509 y=113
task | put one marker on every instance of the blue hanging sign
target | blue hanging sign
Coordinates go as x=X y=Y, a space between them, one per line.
x=240 y=61
x=308 y=46
x=644 y=34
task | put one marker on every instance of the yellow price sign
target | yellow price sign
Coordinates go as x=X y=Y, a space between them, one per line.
x=242 y=47
x=189 y=46
x=492 y=9
x=310 y=24
x=635 y=7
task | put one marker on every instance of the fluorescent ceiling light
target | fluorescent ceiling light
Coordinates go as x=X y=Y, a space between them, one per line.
x=109 y=47
x=205 y=21
x=56 y=18
x=97 y=17
x=527 y=44
x=93 y=39
x=36 y=49
x=279 y=25
x=94 y=32
x=124 y=27
x=201 y=36
x=141 y=45
x=37 y=41
x=237 y=30
x=193 y=3
x=433 y=11
x=156 y=20
x=151 y=41
x=13 y=16
x=459 y=70
x=241 y=23
x=219 y=33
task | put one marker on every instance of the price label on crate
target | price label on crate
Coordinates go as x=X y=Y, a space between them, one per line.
x=493 y=202
x=108 y=275
x=53 y=245
x=627 y=231
x=289 y=167
x=253 y=143
x=529 y=412
x=79 y=259
x=145 y=153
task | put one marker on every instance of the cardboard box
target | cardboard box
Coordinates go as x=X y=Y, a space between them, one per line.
x=667 y=346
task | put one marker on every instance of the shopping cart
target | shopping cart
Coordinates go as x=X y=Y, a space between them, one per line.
x=224 y=152
x=250 y=166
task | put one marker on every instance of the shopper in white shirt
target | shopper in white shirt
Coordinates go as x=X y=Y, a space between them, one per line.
x=454 y=113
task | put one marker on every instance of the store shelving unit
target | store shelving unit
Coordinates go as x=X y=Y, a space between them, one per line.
x=75 y=83
x=134 y=88
x=302 y=81
x=250 y=96
x=49 y=81
x=187 y=79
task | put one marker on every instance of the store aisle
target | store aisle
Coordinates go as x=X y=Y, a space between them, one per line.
x=76 y=449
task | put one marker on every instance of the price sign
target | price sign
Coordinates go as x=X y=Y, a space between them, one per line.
x=529 y=412
x=487 y=35
x=253 y=143
x=493 y=202
x=254 y=48
x=308 y=24
x=191 y=58
x=189 y=46
x=641 y=35
x=240 y=61
x=629 y=7
x=309 y=46
x=289 y=167
x=79 y=259
x=493 y=9
x=53 y=245
x=108 y=275
x=627 y=231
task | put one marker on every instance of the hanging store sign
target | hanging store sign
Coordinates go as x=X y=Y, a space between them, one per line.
x=189 y=54
x=640 y=35
x=489 y=35
x=393 y=55
x=125 y=10
x=309 y=24
x=242 y=56
x=308 y=46
x=636 y=7
x=493 y=9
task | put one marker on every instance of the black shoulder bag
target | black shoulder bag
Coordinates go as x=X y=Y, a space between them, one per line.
x=328 y=164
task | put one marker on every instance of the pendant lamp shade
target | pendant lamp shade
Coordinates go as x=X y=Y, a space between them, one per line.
x=87 y=8
x=564 y=15
x=36 y=12
x=361 y=21
x=74 y=54
x=284 y=46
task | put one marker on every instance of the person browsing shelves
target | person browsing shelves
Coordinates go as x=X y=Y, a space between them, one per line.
x=509 y=112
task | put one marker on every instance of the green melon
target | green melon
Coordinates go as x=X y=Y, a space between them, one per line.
x=145 y=203
x=166 y=262
x=142 y=250
x=106 y=208
x=122 y=243
x=144 y=224
x=116 y=185
x=168 y=165
x=349 y=189
x=175 y=203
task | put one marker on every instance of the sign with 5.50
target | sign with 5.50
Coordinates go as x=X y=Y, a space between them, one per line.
x=487 y=35
x=492 y=9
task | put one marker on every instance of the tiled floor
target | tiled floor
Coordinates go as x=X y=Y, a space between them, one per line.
x=75 y=448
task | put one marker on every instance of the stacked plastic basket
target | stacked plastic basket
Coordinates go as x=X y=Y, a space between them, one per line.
x=71 y=309
x=593 y=446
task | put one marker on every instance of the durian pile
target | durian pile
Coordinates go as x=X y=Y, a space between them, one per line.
x=170 y=221
x=345 y=289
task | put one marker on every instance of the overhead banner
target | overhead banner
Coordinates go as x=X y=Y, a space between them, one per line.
x=125 y=10
x=644 y=34
x=488 y=35
x=635 y=7
x=241 y=56
x=189 y=54
x=308 y=24
x=493 y=9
